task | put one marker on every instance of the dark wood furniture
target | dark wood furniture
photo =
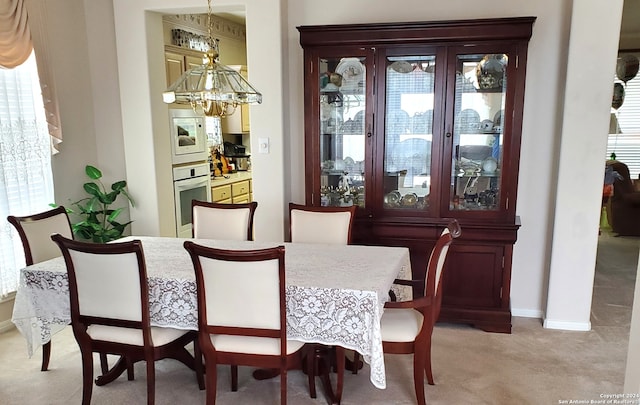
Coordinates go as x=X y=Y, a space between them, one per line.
x=34 y=231
x=223 y=220
x=624 y=204
x=230 y=325
x=109 y=303
x=417 y=123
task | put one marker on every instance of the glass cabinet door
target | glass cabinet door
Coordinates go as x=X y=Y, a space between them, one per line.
x=342 y=126
x=408 y=131
x=478 y=138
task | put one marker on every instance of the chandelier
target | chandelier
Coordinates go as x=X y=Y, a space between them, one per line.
x=212 y=88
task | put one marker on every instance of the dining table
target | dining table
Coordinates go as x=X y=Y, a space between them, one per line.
x=335 y=294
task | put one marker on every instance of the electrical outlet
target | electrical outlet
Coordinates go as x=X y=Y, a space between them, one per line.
x=263 y=145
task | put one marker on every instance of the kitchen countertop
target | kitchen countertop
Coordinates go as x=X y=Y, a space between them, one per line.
x=232 y=178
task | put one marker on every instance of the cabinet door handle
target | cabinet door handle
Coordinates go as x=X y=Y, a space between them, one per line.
x=448 y=134
x=369 y=134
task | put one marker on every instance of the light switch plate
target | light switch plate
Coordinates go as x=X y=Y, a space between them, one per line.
x=263 y=145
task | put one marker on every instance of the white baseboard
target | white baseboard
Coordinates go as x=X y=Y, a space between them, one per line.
x=6 y=326
x=566 y=325
x=527 y=313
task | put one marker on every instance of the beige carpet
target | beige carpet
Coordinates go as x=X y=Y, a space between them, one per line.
x=530 y=366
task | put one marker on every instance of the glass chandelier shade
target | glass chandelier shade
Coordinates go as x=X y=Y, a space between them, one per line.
x=213 y=88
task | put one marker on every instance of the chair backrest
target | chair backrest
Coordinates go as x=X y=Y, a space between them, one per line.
x=35 y=233
x=624 y=185
x=437 y=259
x=107 y=284
x=332 y=225
x=221 y=274
x=223 y=221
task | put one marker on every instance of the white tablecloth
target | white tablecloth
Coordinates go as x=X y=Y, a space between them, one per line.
x=335 y=294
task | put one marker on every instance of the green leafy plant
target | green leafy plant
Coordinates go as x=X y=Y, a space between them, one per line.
x=99 y=220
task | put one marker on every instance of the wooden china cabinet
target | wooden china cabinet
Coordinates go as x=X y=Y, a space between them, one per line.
x=417 y=123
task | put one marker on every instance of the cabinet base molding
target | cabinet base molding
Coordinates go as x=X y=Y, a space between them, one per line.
x=488 y=320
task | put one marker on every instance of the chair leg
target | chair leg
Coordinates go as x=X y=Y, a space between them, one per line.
x=234 y=378
x=211 y=382
x=130 y=375
x=104 y=364
x=312 y=368
x=46 y=355
x=283 y=386
x=340 y=372
x=356 y=362
x=197 y=355
x=151 y=381
x=87 y=374
x=427 y=364
x=418 y=374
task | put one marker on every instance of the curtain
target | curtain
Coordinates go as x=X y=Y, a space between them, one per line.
x=26 y=181
x=21 y=31
x=15 y=38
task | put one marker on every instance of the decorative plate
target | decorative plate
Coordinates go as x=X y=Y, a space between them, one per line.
x=352 y=72
x=401 y=66
x=468 y=121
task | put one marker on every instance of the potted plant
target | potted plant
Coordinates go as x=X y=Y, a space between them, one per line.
x=99 y=222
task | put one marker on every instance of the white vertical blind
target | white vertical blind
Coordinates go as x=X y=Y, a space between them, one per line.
x=626 y=143
x=26 y=180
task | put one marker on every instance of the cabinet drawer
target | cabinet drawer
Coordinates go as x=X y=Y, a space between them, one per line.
x=239 y=188
x=243 y=199
x=220 y=193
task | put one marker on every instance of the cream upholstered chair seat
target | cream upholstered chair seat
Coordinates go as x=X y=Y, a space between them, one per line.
x=400 y=324
x=253 y=345
x=128 y=336
x=223 y=221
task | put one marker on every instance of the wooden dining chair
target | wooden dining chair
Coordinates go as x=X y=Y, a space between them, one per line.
x=331 y=225
x=109 y=303
x=247 y=329
x=35 y=233
x=310 y=224
x=223 y=221
x=407 y=326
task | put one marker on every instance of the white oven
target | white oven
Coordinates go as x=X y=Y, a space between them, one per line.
x=190 y=182
x=188 y=136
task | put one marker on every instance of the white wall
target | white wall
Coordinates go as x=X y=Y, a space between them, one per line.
x=90 y=115
x=81 y=53
x=582 y=148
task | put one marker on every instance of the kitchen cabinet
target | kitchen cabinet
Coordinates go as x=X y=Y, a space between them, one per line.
x=178 y=60
x=240 y=192
x=234 y=189
x=221 y=194
x=238 y=122
x=418 y=123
